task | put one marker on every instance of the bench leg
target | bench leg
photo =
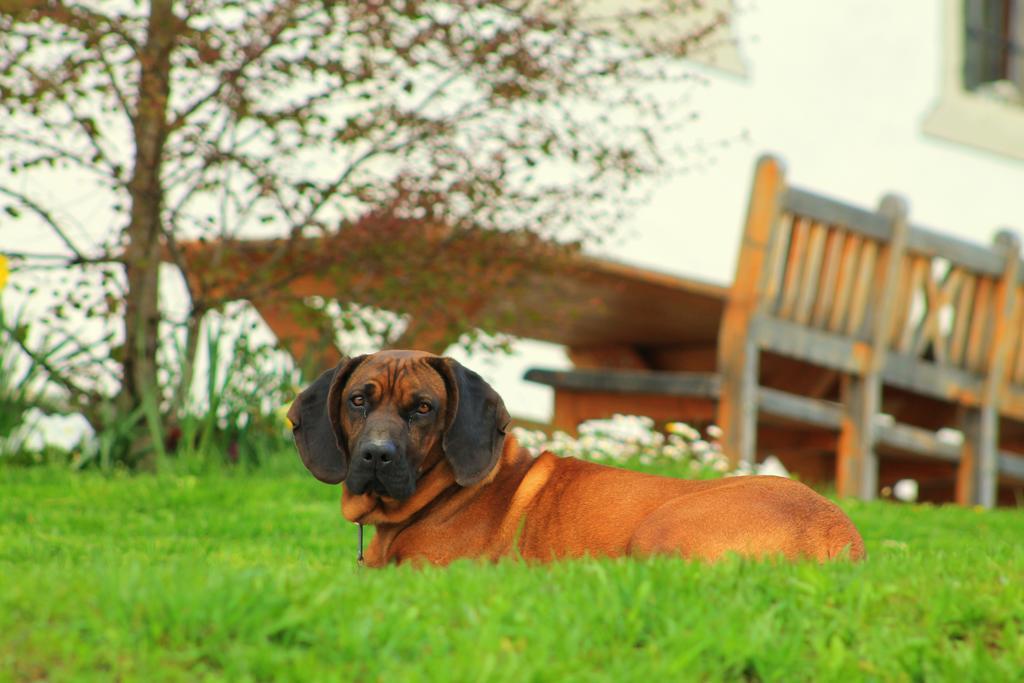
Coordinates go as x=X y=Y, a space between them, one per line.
x=737 y=406
x=856 y=461
x=977 y=475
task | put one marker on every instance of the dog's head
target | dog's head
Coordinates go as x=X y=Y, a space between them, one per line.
x=377 y=421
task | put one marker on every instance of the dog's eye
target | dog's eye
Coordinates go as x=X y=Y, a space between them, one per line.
x=357 y=400
x=423 y=408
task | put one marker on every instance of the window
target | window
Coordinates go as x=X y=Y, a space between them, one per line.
x=994 y=48
x=982 y=98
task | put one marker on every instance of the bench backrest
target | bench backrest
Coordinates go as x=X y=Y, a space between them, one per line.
x=861 y=291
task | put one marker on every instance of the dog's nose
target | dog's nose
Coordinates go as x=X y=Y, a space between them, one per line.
x=380 y=453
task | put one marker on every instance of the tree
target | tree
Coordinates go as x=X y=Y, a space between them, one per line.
x=303 y=119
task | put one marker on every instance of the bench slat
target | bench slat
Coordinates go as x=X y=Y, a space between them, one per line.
x=1015 y=356
x=833 y=212
x=961 y=321
x=847 y=270
x=810 y=287
x=1011 y=464
x=814 y=346
x=973 y=257
x=829 y=278
x=811 y=411
x=698 y=384
x=977 y=339
x=913 y=439
x=952 y=384
x=795 y=264
x=862 y=290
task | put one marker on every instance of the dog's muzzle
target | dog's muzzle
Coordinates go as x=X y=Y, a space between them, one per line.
x=379 y=467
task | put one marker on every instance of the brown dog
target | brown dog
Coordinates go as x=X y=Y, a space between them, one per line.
x=421 y=443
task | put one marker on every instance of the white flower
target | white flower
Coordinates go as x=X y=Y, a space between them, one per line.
x=742 y=470
x=905 y=490
x=625 y=439
x=626 y=428
x=678 y=441
x=772 y=466
x=673 y=452
x=681 y=429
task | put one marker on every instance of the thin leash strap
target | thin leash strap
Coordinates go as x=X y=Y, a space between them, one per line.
x=359 y=557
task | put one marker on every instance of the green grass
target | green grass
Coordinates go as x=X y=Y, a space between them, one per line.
x=251 y=576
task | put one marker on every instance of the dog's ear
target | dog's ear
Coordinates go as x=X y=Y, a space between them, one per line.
x=316 y=424
x=475 y=424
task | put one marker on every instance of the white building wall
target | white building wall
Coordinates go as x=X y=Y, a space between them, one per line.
x=839 y=90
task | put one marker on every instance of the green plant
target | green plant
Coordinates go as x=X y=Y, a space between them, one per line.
x=112 y=445
x=15 y=398
x=21 y=382
x=234 y=416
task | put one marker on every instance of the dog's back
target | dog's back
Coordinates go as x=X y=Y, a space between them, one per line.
x=590 y=509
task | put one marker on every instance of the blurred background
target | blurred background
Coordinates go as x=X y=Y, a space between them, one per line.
x=205 y=203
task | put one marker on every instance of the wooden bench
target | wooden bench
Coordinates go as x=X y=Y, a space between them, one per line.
x=882 y=306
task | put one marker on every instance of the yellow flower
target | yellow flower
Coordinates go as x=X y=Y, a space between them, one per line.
x=4 y=271
x=282 y=413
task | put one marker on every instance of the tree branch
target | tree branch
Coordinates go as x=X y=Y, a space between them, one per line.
x=252 y=52
x=88 y=128
x=83 y=397
x=78 y=18
x=47 y=217
x=115 y=86
x=61 y=153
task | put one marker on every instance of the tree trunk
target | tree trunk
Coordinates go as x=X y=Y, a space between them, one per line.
x=142 y=253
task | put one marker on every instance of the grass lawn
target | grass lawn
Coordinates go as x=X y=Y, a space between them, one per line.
x=251 y=576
